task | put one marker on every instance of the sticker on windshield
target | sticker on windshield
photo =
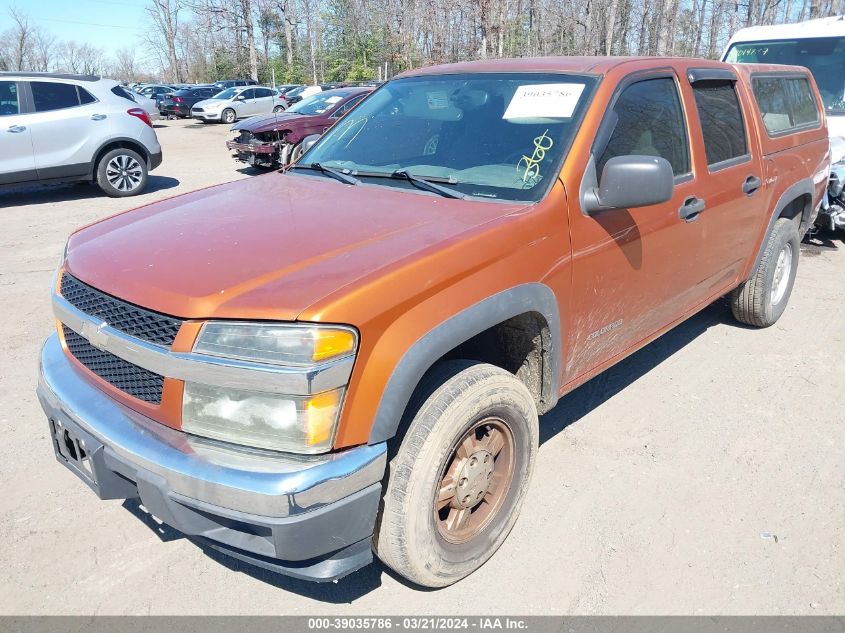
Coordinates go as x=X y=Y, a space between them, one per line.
x=546 y=101
x=530 y=165
x=332 y=100
x=437 y=100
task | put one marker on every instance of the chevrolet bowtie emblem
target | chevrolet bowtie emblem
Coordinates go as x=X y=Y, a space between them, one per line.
x=95 y=334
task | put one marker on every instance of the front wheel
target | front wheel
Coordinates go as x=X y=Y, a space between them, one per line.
x=228 y=116
x=460 y=475
x=121 y=173
x=761 y=300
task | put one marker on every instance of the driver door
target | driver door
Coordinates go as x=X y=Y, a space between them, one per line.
x=247 y=106
x=627 y=263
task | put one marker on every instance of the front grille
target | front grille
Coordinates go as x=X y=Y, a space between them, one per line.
x=136 y=381
x=126 y=317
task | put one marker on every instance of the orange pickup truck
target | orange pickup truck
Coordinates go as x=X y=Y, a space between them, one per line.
x=350 y=357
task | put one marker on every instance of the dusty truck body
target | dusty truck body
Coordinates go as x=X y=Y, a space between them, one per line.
x=350 y=357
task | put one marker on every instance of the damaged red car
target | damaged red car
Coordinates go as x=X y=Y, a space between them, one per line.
x=277 y=140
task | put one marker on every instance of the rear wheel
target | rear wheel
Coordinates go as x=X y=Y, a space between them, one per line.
x=278 y=109
x=459 y=477
x=762 y=299
x=228 y=116
x=122 y=172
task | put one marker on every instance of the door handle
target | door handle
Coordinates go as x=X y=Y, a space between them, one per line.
x=751 y=184
x=15 y=129
x=98 y=117
x=690 y=209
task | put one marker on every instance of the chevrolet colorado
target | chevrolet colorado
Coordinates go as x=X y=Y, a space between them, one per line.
x=351 y=356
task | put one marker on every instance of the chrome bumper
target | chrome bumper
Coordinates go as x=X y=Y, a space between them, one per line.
x=275 y=505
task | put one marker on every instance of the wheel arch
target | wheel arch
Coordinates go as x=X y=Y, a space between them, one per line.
x=532 y=302
x=119 y=143
x=794 y=203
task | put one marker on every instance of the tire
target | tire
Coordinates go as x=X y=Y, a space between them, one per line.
x=295 y=153
x=761 y=300
x=461 y=408
x=278 y=109
x=228 y=116
x=121 y=173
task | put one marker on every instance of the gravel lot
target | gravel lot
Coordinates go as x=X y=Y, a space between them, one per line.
x=703 y=475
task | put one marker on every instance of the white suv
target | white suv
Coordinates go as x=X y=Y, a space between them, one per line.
x=57 y=128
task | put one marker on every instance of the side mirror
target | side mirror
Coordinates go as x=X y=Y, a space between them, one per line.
x=632 y=181
x=240 y=98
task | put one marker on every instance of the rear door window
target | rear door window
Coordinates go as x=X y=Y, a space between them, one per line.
x=721 y=120
x=786 y=103
x=650 y=122
x=49 y=96
x=10 y=102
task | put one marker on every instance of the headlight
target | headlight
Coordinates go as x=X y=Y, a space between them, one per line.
x=277 y=344
x=300 y=424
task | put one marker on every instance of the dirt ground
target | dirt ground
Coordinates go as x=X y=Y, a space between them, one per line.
x=703 y=475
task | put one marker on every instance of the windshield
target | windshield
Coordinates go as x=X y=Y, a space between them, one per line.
x=316 y=104
x=500 y=136
x=824 y=56
x=227 y=94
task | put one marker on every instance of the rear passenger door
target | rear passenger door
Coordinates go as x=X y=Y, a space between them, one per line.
x=264 y=101
x=16 y=161
x=731 y=169
x=68 y=126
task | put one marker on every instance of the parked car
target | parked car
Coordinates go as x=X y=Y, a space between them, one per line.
x=154 y=90
x=233 y=83
x=62 y=127
x=820 y=46
x=298 y=94
x=180 y=102
x=276 y=140
x=237 y=103
x=350 y=356
x=816 y=44
x=286 y=88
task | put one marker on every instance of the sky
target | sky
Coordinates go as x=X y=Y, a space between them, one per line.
x=105 y=24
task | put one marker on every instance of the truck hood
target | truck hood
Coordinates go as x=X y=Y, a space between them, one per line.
x=266 y=247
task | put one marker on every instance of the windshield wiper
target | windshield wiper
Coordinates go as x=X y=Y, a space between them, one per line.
x=334 y=173
x=428 y=183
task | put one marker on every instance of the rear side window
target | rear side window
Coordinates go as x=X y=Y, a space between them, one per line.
x=786 y=103
x=9 y=98
x=263 y=92
x=50 y=96
x=649 y=122
x=85 y=97
x=721 y=120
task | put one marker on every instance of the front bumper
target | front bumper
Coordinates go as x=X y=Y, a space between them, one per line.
x=206 y=116
x=252 y=148
x=306 y=516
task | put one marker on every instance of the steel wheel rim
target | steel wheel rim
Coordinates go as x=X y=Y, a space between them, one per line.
x=470 y=490
x=783 y=270
x=124 y=173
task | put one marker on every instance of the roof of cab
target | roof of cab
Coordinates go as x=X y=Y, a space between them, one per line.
x=583 y=65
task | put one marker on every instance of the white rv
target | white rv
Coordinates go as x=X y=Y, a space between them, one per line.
x=817 y=44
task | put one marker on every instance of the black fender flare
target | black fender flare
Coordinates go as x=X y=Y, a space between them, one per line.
x=798 y=189
x=418 y=359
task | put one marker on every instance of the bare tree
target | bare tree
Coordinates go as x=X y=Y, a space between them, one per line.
x=165 y=18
